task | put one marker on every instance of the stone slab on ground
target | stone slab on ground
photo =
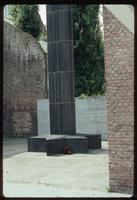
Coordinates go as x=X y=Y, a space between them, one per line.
x=94 y=141
x=56 y=144
x=37 y=144
x=77 y=144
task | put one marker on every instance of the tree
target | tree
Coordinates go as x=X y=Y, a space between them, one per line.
x=88 y=51
x=27 y=18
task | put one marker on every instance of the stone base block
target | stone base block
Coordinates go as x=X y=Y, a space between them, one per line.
x=56 y=144
x=77 y=144
x=94 y=141
x=37 y=144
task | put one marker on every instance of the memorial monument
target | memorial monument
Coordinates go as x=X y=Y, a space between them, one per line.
x=63 y=137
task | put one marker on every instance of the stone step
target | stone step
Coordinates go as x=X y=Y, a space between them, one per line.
x=68 y=145
x=94 y=141
x=37 y=144
x=58 y=144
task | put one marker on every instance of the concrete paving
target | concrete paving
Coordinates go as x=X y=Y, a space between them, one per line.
x=28 y=174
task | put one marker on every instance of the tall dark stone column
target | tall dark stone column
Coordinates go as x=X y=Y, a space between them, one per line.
x=61 y=69
x=61 y=90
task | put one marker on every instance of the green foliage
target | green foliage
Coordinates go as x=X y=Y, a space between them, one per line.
x=88 y=51
x=27 y=18
x=109 y=189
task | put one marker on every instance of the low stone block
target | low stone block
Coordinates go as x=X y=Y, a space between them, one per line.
x=37 y=144
x=77 y=144
x=94 y=141
x=55 y=146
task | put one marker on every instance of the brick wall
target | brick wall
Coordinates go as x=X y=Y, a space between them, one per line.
x=119 y=72
x=24 y=82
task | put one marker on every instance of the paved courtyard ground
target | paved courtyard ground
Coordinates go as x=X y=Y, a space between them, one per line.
x=28 y=174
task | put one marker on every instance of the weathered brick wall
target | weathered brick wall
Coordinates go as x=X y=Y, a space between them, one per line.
x=119 y=72
x=24 y=82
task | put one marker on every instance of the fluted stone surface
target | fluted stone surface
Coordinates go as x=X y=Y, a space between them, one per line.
x=61 y=69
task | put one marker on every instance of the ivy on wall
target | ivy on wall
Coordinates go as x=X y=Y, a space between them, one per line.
x=27 y=18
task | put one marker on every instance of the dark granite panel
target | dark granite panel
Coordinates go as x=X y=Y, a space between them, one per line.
x=58 y=86
x=63 y=59
x=73 y=117
x=63 y=25
x=55 y=119
x=57 y=7
x=64 y=7
x=52 y=88
x=65 y=56
x=50 y=8
x=65 y=86
x=37 y=144
x=56 y=26
x=72 y=87
x=70 y=24
x=55 y=146
x=94 y=141
x=77 y=145
x=52 y=57
x=72 y=143
x=60 y=56
x=67 y=117
x=50 y=26
x=71 y=56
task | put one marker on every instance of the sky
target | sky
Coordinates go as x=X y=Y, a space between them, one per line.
x=42 y=12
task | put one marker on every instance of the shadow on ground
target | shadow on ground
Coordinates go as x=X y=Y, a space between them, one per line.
x=13 y=146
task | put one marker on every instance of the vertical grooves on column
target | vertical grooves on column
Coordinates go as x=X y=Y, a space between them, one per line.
x=54 y=86
x=59 y=29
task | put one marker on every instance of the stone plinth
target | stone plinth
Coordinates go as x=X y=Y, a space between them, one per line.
x=37 y=144
x=77 y=144
x=56 y=144
x=94 y=141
